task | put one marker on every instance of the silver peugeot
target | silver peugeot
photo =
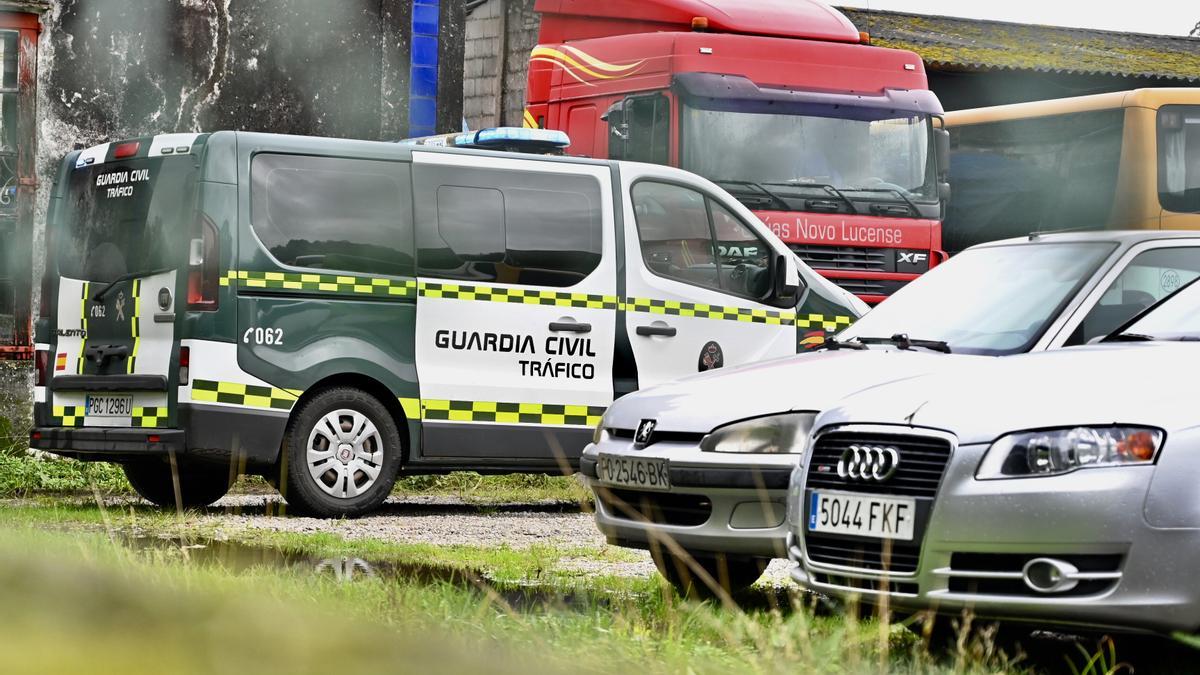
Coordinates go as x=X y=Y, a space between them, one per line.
x=1050 y=488
x=697 y=470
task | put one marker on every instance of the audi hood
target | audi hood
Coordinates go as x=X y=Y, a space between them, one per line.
x=813 y=381
x=1151 y=383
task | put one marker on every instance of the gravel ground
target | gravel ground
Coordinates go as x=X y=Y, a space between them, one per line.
x=447 y=521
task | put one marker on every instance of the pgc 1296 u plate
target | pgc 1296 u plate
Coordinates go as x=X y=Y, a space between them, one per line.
x=109 y=406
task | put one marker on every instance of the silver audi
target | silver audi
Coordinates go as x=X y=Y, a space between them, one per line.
x=697 y=470
x=1052 y=488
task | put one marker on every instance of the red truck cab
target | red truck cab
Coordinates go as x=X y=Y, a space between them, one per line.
x=834 y=143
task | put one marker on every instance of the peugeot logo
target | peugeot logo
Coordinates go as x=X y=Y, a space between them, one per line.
x=870 y=463
x=645 y=431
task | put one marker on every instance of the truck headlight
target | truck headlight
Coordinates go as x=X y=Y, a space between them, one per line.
x=773 y=434
x=1052 y=452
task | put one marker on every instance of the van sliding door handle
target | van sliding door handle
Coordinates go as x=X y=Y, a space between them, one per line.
x=665 y=331
x=570 y=327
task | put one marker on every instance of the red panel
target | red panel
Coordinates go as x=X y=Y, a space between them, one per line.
x=847 y=230
x=565 y=20
x=21 y=20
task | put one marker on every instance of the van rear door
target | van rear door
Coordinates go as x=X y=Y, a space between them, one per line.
x=121 y=240
x=516 y=318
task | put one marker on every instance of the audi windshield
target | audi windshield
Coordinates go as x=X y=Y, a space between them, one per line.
x=992 y=300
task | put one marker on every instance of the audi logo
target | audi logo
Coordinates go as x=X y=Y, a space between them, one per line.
x=869 y=463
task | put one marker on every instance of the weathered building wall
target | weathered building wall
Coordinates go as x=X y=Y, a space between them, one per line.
x=109 y=69
x=500 y=34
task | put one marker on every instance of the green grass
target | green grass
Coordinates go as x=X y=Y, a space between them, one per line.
x=89 y=604
x=23 y=474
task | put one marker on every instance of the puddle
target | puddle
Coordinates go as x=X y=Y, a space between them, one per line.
x=236 y=557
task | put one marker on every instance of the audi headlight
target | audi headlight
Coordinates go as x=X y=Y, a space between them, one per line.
x=1057 y=451
x=774 y=434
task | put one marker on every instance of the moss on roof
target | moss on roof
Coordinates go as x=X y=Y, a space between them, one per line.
x=944 y=41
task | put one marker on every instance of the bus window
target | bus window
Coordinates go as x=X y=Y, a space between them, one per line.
x=1151 y=276
x=1013 y=177
x=1179 y=158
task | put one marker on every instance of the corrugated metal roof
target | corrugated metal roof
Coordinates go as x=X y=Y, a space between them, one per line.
x=974 y=44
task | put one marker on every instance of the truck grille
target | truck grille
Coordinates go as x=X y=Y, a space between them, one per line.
x=843 y=257
x=923 y=460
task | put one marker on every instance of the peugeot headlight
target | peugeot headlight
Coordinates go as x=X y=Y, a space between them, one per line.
x=1057 y=451
x=774 y=434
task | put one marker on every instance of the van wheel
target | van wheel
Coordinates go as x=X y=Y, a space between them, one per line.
x=732 y=573
x=343 y=454
x=199 y=484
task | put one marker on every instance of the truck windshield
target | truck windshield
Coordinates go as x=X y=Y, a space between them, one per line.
x=125 y=218
x=885 y=159
x=992 y=300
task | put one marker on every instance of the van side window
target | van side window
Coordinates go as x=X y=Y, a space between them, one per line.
x=745 y=258
x=1150 y=277
x=688 y=237
x=514 y=227
x=348 y=215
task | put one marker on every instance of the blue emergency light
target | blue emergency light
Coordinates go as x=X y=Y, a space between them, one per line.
x=511 y=139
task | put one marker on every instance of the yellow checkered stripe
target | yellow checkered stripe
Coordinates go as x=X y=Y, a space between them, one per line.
x=323 y=283
x=250 y=395
x=703 y=311
x=378 y=286
x=545 y=414
x=69 y=415
x=829 y=323
x=149 y=417
x=520 y=296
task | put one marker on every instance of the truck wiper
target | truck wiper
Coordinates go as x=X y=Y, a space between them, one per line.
x=899 y=193
x=823 y=186
x=902 y=341
x=757 y=186
x=99 y=295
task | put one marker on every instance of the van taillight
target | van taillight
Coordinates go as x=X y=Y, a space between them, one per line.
x=185 y=362
x=41 y=361
x=204 y=266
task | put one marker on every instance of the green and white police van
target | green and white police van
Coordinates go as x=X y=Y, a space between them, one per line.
x=332 y=313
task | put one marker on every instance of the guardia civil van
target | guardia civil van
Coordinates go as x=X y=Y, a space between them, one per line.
x=329 y=313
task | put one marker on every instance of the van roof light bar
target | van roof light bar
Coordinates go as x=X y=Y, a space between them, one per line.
x=511 y=139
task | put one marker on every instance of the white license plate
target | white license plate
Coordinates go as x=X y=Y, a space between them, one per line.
x=862 y=515
x=642 y=472
x=109 y=406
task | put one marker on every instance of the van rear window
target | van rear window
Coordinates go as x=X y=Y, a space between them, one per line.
x=126 y=218
x=349 y=215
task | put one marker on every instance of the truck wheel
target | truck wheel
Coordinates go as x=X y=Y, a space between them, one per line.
x=733 y=573
x=343 y=454
x=199 y=484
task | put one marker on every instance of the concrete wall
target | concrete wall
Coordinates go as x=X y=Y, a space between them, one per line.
x=109 y=69
x=499 y=36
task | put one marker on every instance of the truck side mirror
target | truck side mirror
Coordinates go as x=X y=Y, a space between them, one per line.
x=615 y=116
x=941 y=148
x=786 y=280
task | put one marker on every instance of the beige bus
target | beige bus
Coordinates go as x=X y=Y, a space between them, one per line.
x=1124 y=160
